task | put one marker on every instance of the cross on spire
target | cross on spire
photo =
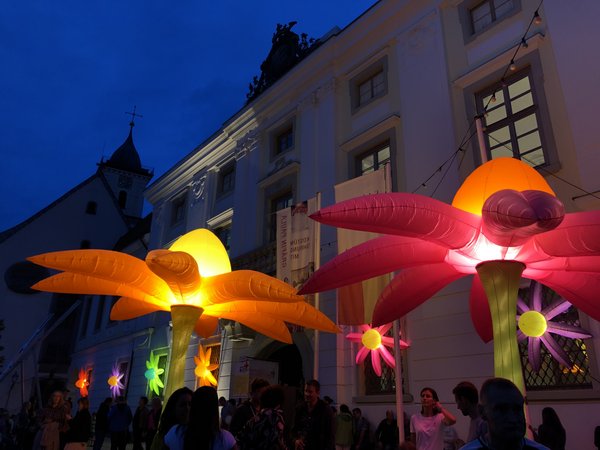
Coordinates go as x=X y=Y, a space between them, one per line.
x=133 y=116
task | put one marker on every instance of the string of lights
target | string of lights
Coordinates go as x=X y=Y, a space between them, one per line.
x=536 y=19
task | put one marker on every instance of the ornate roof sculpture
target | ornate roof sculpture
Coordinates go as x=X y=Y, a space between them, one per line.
x=288 y=50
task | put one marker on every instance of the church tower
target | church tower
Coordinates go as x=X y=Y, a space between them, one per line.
x=125 y=175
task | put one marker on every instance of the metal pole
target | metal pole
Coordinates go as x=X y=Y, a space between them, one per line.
x=398 y=372
x=317 y=258
x=481 y=139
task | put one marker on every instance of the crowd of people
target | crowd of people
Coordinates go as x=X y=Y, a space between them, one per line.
x=192 y=421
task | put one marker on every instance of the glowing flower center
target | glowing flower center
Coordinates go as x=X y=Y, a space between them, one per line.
x=113 y=381
x=150 y=374
x=532 y=324
x=371 y=339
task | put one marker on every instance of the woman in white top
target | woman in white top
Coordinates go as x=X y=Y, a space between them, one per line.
x=427 y=427
x=203 y=431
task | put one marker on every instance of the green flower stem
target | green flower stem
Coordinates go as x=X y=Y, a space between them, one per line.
x=500 y=281
x=184 y=317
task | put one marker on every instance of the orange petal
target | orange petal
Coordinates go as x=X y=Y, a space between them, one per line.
x=129 y=308
x=269 y=326
x=247 y=284
x=206 y=326
x=72 y=283
x=300 y=313
x=178 y=269
x=104 y=264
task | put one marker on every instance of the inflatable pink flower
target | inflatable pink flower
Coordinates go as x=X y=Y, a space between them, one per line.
x=373 y=342
x=505 y=222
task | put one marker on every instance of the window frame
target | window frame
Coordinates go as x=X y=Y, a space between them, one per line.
x=374 y=150
x=287 y=193
x=227 y=172
x=178 y=204
x=288 y=127
x=367 y=75
x=531 y=62
x=465 y=10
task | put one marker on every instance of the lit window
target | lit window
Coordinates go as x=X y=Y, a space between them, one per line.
x=373 y=159
x=553 y=375
x=386 y=383
x=485 y=13
x=512 y=120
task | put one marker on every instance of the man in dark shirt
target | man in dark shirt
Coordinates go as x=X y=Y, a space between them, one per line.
x=249 y=408
x=502 y=409
x=313 y=425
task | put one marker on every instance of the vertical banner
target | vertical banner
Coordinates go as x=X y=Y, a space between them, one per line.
x=295 y=243
x=356 y=301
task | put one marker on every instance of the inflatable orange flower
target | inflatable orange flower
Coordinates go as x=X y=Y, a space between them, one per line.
x=193 y=280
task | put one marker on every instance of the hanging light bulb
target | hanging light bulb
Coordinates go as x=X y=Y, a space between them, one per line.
x=493 y=99
x=512 y=66
x=524 y=43
x=537 y=19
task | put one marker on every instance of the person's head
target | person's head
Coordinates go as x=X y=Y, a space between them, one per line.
x=502 y=409
x=389 y=415
x=177 y=410
x=466 y=397
x=357 y=413
x=344 y=409
x=272 y=397
x=312 y=389
x=429 y=398
x=222 y=401
x=256 y=387
x=83 y=403
x=143 y=401
x=550 y=418
x=156 y=403
x=203 y=425
x=56 y=399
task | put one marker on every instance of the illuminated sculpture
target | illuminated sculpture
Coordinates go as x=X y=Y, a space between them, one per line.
x=193 y=280
x=114 y=381
x=82 y=383
x=505 y=223
x=536 y=325
x=153 y=374
x=373 y=342
x=204 y=367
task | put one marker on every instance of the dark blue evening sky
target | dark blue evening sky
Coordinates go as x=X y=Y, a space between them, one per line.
x=71 y=69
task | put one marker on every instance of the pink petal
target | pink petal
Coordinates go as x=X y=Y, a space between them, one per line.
x=556 y=350
x=376 y=362
x=556 y=309
x=404 y=214
x=480 y=310
x=376 y=257
x=536 y=300
x=361 y=355
x=534 y=353
x=410 y=288
x=388 y=358
x=567 y=330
